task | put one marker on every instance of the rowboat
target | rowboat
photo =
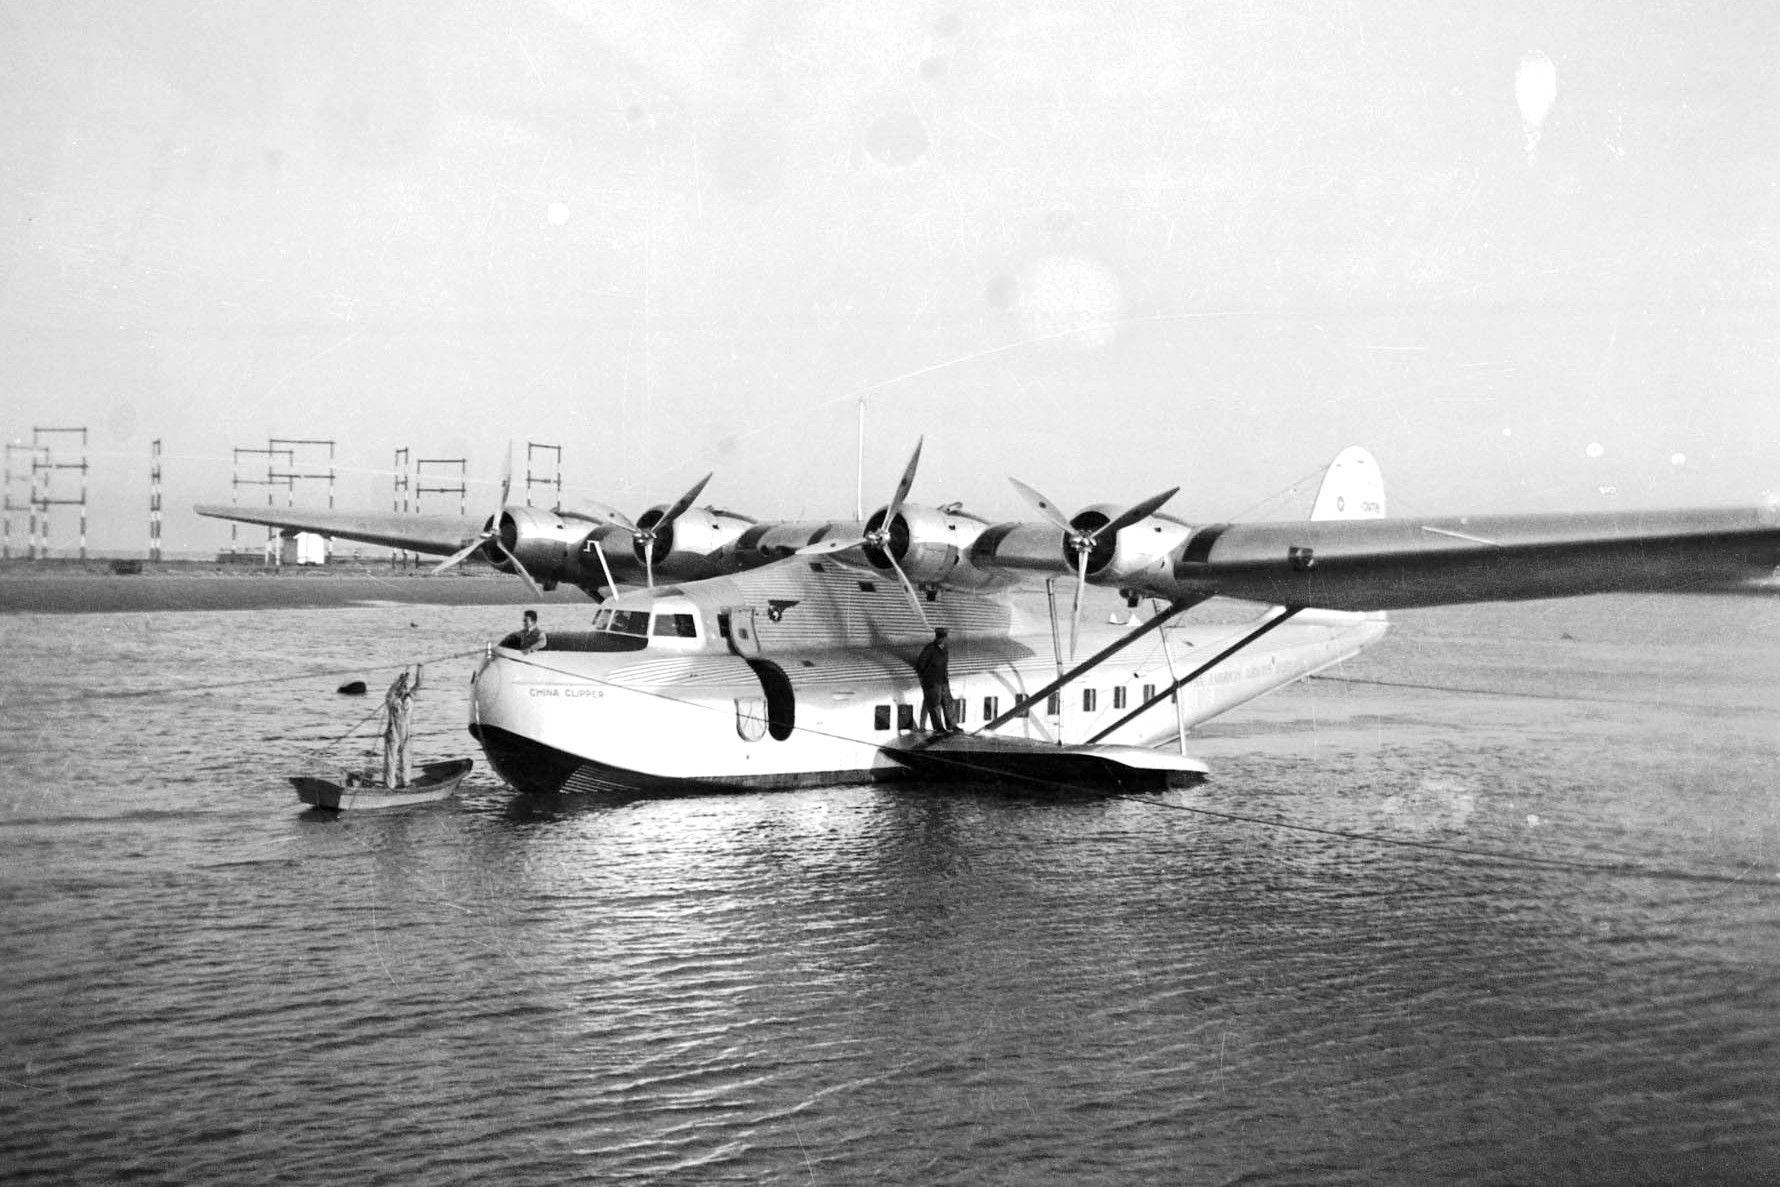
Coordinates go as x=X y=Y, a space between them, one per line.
x=437 y=781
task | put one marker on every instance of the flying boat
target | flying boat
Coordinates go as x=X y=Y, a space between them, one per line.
x=767 y=655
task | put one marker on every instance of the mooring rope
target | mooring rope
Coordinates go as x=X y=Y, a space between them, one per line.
x=1626 y=867
x=375 y=711
x=1483 y=692
x=289 y=677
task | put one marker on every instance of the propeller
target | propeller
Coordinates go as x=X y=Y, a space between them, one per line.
x=492 y=535
x=879 y=537
x=1081 y=541
x=645 y=537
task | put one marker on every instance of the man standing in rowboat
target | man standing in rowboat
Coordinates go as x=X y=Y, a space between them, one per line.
x=398 y=706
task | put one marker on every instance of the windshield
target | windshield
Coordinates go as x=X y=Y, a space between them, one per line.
x=623 y=622
x=640 y=624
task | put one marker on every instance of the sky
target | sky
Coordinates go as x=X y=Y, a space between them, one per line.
x=1529 y=254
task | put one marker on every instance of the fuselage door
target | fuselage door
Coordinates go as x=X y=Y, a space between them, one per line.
x=737 y=625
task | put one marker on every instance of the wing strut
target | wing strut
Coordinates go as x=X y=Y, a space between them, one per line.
x=1105 y=653
x=1199 y=671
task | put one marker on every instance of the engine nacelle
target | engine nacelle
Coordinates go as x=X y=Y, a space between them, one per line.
x=932 y=546
x=764 y=543
x=692 y=547
x=546 y=544
x=1136 y=550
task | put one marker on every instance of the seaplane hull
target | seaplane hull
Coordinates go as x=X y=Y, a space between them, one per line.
x=659 y=721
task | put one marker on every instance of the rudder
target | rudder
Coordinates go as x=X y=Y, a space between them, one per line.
x=1353 y=487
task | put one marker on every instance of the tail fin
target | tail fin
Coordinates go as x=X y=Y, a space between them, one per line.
x=1353 y=487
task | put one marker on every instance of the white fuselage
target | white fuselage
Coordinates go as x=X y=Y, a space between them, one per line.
x=731 y=687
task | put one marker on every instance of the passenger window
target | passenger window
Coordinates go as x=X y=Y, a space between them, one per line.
x=880 y=717
x=1149 y=693
x=675 y=626
x=1054 y=704
x=905 y=717
x=991 y=708
x=1119 y=697
x=1089 y=697
x=958 y=711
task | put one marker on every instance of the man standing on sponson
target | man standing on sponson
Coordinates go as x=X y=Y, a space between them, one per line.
x=933 y=667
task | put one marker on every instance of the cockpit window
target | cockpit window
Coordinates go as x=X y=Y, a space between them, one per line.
x=629 y=622
x=640 y=624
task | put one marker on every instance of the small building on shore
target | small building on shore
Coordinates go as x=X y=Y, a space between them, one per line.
x=301 y=548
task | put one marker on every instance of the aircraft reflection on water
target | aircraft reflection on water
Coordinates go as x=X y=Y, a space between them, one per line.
x=780 y=654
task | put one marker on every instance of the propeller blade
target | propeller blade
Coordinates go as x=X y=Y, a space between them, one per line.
x=519 y=568
x=914 y=597
x=832 y=545
x=906 y=484
x=680 y=506
x=507 y=474
x=646 y=537
x=1044 y=506
x=463 y=554
x=1081 y=587
x=1132 y=514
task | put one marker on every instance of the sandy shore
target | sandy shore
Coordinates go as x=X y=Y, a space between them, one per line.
x=92 y=588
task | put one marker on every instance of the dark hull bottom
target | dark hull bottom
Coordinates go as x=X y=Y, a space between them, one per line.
x=536 y=769
x=533 y=768
x=1039 y=771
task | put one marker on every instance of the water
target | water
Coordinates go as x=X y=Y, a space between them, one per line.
x=200 y=983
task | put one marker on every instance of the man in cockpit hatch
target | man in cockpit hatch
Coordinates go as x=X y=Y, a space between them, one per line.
x=531 y=636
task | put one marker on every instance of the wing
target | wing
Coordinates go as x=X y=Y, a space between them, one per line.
x=1386 y=564
x=435 y=535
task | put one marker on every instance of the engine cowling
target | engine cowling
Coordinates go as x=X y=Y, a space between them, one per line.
x=546 y=544
x=692 y=547
x=1138 y=549
x=930 y=544
x=763 y=543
